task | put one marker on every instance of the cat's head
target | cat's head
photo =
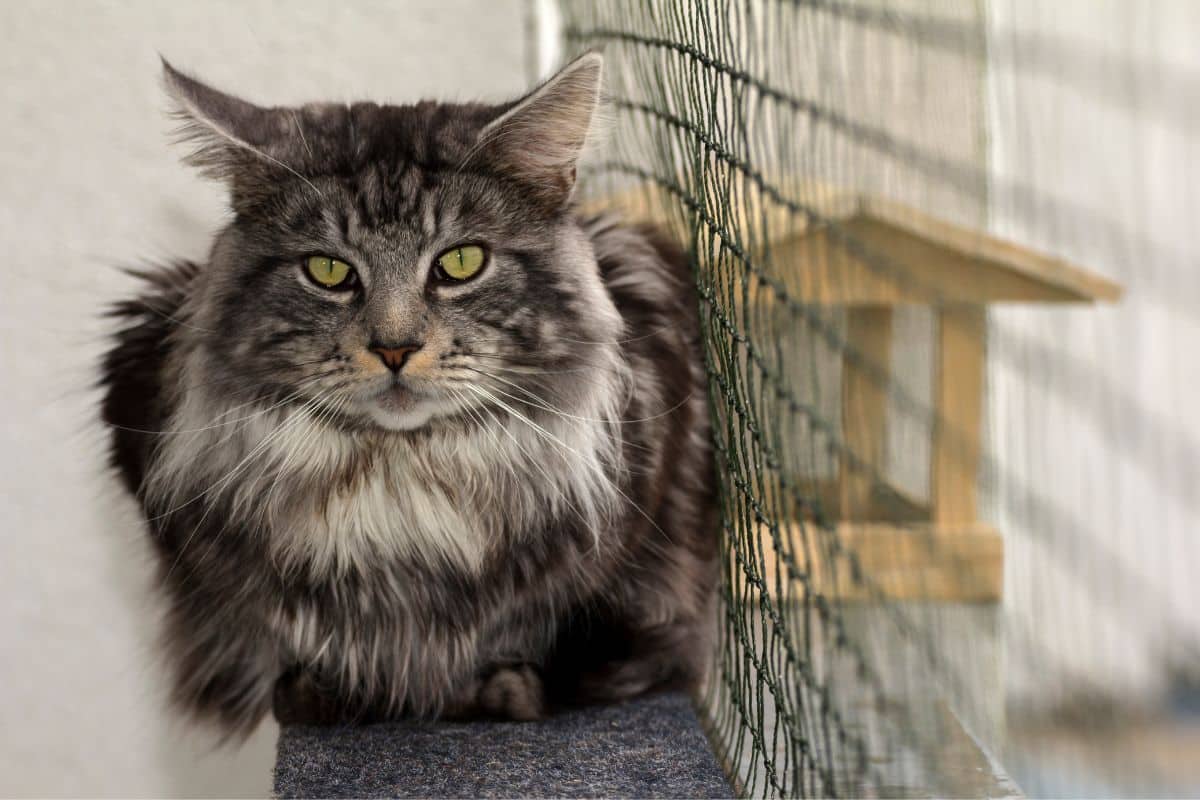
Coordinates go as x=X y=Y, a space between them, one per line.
x=393 y=265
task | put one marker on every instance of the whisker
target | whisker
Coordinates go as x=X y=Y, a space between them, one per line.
x=544 y=406
x=170 y=318
x=584 y=373
x=289 y=398
x=630 y=340
x=517 y=361
x=287 y=425
x=323 y=418
x=300 y=132
x=559 y=443
x=547 y=407
x=196 y=528
x=309 y=424
x=250 y=373
x=562 y=494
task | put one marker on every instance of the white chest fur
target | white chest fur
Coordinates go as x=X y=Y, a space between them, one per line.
x=330 y=499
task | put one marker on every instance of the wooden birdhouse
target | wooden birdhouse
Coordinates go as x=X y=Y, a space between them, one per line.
x=868 y=257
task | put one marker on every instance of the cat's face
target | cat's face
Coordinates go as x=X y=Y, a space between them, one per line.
x=393 y=266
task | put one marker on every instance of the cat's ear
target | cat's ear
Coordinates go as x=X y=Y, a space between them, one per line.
x=539 y=139
x=234 y=141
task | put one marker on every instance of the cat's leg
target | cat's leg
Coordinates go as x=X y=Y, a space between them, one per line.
x=513 y=692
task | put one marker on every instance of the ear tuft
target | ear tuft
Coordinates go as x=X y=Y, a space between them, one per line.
x=233 y=140
x=539 y=139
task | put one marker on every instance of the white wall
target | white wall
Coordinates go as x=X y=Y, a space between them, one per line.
x=1095 y=151
x=89 y=182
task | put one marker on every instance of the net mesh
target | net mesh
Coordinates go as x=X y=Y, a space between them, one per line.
x=832 y=168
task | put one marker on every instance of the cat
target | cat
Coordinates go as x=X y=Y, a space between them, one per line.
x=419 y=438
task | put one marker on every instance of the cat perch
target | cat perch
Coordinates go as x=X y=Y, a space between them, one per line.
x=869 y=256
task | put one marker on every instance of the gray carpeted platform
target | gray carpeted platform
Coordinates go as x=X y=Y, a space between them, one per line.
x=651 y=747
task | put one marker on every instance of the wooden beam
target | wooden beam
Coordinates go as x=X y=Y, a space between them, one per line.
x=919 y=562
x=995 y=255
x=863 y=250
x=958 y=405
x=864 y=406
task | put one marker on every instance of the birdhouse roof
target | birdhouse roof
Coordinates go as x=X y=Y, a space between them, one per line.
x=840 y=248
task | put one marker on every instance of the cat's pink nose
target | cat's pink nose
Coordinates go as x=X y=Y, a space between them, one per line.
x=395 y=357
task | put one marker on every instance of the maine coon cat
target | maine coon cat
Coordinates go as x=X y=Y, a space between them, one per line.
x=417 y=438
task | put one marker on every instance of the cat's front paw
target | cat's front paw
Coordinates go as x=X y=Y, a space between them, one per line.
x=514 y=693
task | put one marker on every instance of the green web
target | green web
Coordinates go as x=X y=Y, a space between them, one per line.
x=737 y=124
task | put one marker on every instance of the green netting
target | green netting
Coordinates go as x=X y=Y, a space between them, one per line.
x=796 y=147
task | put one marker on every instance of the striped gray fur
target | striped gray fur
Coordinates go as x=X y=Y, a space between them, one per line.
x=518 y=520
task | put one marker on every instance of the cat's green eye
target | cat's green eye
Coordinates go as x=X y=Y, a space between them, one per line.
x=461 y=263
x=329 y=272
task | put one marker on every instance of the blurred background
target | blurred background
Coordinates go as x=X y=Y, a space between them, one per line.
x=1016 y=544
x=949 y=292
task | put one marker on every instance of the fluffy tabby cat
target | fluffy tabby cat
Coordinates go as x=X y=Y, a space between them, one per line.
x=416 y=439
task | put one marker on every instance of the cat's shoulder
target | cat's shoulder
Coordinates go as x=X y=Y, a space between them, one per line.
x=639 y=263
